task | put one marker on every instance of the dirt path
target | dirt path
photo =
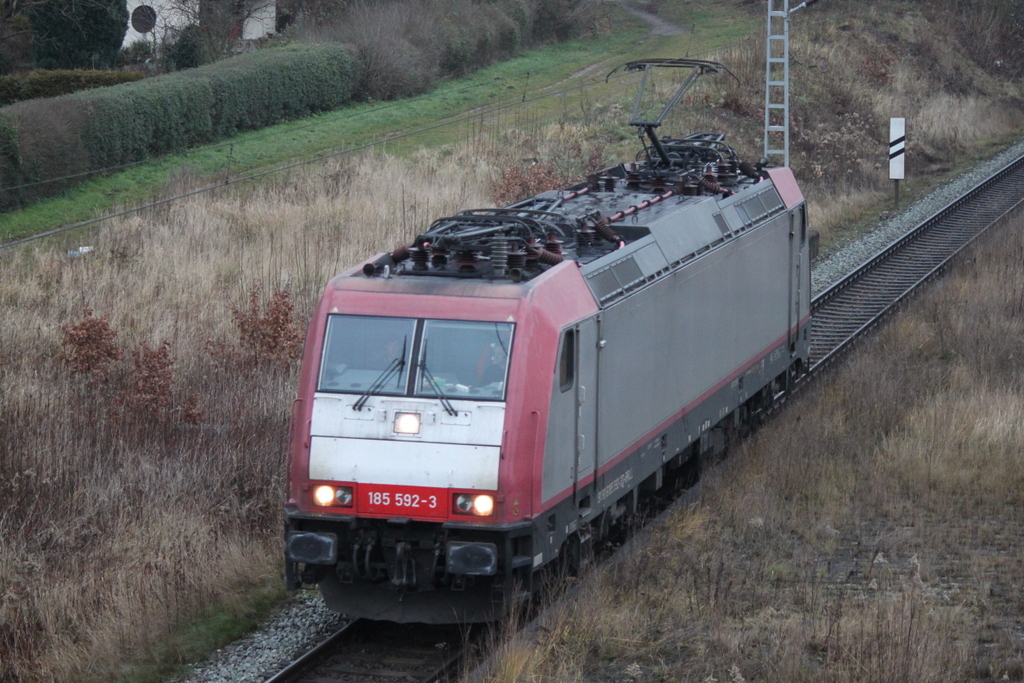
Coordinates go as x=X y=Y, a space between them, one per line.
x=658 y=26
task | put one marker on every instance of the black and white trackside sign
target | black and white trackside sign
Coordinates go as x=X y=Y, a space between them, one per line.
x=897 y=147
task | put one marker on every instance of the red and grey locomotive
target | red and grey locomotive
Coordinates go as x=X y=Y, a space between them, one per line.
x=505 y=390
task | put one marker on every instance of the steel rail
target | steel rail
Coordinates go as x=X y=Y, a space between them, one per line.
x=852 y=307
x=374 y=651
x=311 y=657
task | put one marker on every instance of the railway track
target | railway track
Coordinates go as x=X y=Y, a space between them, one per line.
x=380 y=652
x=859 y=302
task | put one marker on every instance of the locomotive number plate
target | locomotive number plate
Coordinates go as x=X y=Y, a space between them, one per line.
x=403 y=501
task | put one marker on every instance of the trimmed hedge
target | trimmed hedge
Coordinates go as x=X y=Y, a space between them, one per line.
x=57 y=82
x=106 y=127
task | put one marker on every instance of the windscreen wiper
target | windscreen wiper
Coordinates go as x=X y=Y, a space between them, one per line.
x=395 y=366
x=448 y=407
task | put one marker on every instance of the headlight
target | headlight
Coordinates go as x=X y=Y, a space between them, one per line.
x=323 y=495
x=473 y=504
x=343 y=495
x=407 y=423
x=331 y=495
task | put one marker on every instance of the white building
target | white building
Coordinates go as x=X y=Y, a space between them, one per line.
x=153 y=19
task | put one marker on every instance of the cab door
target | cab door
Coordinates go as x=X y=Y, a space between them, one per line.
x=797 y=243
x=587 y=338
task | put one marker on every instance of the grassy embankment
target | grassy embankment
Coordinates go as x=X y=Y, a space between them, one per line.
x=144 y=492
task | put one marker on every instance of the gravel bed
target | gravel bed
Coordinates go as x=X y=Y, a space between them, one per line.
x=305 y=621
x=833 y=267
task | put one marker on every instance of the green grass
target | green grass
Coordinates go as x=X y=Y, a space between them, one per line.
x=196 y=639
x=536 y=72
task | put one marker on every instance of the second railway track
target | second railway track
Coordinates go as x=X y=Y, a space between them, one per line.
x=857 y=303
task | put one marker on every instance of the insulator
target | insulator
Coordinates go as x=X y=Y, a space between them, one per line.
x=554 y=245
x=516 y=259
x=609 y=183
x=467 y=261
x=401 y=253
x=606 y=232
x=585 y=236
x=499 y=255
x=419 y=258
x=729 y=173
x=711 y=185
x=531 y=254
x=748 y=169
x=690 y=188
x=438 y=257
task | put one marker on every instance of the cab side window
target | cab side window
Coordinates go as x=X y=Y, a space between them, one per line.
x=567 y=360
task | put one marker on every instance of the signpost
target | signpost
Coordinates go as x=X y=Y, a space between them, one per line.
x=897 y=153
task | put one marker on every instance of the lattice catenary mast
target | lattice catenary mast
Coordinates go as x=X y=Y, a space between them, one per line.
x=776 y=81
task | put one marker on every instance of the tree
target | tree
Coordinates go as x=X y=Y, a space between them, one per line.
x=77 y=34
x=219 y=22
x=15 y=35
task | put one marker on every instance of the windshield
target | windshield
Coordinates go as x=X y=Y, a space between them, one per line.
x=466 y=359
x=360 y=350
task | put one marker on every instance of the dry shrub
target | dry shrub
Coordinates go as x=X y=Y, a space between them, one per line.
x=534 y=161
x=518 y=182
x=151 y=380
x=268 y=332
x=404 y=47
x=88 y=346
x=390 y=64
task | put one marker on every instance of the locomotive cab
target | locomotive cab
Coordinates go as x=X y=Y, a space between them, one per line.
x=405 y=439
x=395 y=508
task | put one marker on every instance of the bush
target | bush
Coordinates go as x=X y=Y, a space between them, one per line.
x=45 y=83
x=187 y=50
x=107 y=127
x=88 y=346
x=77 y=35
